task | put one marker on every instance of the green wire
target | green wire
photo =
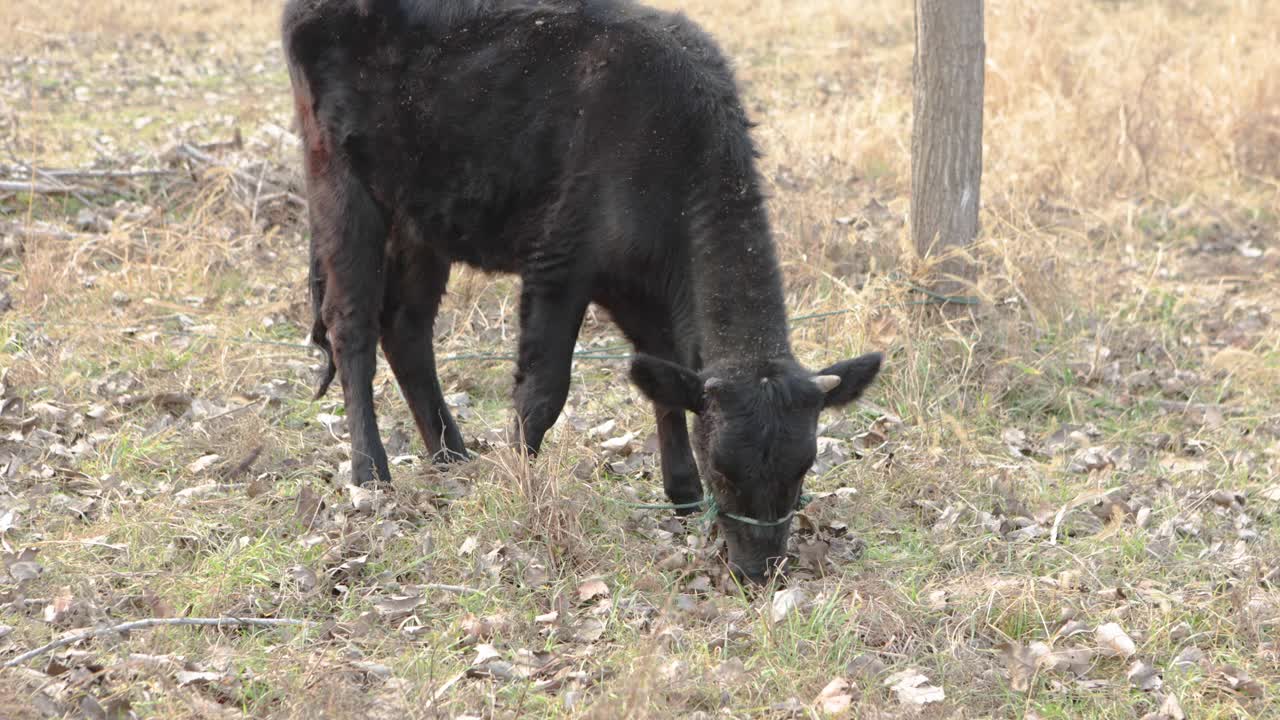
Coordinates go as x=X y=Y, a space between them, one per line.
x=713 y=510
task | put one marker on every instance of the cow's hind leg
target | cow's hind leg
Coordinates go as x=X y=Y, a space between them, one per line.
x=550 y=317
x=650 y=334
x=349 y=233
x=415 y=286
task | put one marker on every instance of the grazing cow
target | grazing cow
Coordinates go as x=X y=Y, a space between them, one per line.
x=598 y=149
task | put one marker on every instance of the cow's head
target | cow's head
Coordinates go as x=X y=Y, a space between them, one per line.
x=755 y=437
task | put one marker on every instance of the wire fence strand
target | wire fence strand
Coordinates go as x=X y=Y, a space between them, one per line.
x=604 y=353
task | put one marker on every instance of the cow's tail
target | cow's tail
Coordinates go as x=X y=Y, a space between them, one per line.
x=320 y=331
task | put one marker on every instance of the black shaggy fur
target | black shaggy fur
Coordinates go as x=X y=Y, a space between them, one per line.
x=598 y=149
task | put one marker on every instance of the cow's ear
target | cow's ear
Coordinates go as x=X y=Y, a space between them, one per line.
x=844 y=382
x=666 y=383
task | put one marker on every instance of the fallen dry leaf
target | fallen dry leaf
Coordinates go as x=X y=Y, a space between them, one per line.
x=488 y=663
x=1230 y=499
x=1237 y=680
x=394 y=607
x=333 y=423
x=785 y=602
x=199 y=492
x=834 y=698
x=912 y=688
x=1181 y=465
x=1020 y=663
x=309 y=506
x=304 y=576
x=364 y=499
x=1113 y=640
x=1077 y=661
x=602 y=429
x=1090 y=460
x=1189 y=658
x=22 y=566
x=483 y=629
x=468 y=546
x=621 y=445
x=1017 y=443
x=192 y=677
x=8 y=521
x=1144 y=676
x=1073 y=627
x=373 y=669
x=866 y=667
x=588 y=631
x=700 y=585
x=484 y=653
x=203 y=463
x=60 y=608
x=1171 y=709
x=49 y=412
x=592 y=589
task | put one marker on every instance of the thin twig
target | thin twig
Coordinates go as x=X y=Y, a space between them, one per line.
x=99 y=174
x=150 y=623
x=257 y=193
x=435 y=697
x=39 y=188
x=455 y=589
x=235 y=410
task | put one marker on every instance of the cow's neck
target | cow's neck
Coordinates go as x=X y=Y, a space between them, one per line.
x=741 y=313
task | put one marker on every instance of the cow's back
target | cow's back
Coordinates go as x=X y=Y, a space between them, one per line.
x=479 y=135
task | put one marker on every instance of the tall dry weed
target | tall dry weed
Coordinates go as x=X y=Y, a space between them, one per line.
x=1090 y=102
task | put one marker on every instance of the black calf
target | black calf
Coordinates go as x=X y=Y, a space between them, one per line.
x=598 y=149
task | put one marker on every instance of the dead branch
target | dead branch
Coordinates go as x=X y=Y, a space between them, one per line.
x=150 y=623
x=197 y=155
x=40 y=188
x=34 y=231
x=76 y=193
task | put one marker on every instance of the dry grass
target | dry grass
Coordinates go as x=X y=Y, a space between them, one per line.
x=37 y=27
x=1130 y=260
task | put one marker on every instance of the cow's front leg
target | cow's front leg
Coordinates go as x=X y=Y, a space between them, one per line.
x=549 y=324
x=648 y=325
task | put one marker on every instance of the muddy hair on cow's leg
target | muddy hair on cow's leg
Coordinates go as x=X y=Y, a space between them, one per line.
x=319 y=337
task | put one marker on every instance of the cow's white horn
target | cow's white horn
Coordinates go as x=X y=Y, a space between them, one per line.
x=826 y=383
